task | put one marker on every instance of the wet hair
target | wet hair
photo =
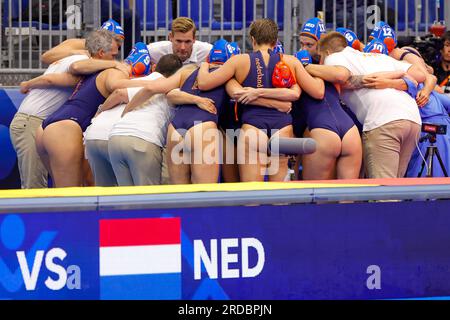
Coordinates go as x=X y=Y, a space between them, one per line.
x=168 y=64
x=264 y=31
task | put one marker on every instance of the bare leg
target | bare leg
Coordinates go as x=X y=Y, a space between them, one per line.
x=230 y=169
x=349 y=163
x=252 y=153
x=63 y=143
x=41 y=150
x=321 y=165
x=298 y=161
x=88 y=177
x=205 y=139
x=280 y=164
x=177 y=158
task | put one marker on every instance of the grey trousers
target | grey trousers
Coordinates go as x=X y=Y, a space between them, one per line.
x=135 y=161
x=98 y=157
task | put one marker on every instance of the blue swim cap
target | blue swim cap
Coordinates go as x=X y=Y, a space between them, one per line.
x=351 y=37
x=235 y=47
x=278 y=48
x=376 y=46
x=385 y=34
x=221 y=51
x=313 y=28
x=139 y=59
x=304 y=56
x=114 y=27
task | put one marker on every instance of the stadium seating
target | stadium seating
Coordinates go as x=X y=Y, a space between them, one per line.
x=26 y=23
x=402 y=22
x=249 y=16
x=148 y=14
x=412 y=14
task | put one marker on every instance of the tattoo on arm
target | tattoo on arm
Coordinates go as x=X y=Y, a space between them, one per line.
x=354 y=82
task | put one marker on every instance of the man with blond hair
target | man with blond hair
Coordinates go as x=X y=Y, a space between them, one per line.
x=182 y=43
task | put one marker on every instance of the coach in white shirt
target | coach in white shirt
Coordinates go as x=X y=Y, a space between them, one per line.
x=37 y=105
x=390 y=118
x=137 y=140
x=40 y=103
x=182 y=43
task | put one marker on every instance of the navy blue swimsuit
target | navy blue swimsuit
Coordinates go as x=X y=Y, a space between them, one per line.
x=326 y=113
x=260 y=76
x=188 y=115
x=81 y=106
x=231 y=116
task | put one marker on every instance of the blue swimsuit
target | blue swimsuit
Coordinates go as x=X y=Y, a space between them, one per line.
x=81 y=106
x=260 y=76
x=326 y=113
x=188 y=115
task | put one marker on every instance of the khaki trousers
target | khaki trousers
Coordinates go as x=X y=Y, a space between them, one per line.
x=23 y=137
x=388 y=149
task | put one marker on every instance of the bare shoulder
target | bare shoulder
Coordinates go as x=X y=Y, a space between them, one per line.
x=239 y=61
x=290 y=60
x=113 y=73
x=185 y=72
x=397 y=53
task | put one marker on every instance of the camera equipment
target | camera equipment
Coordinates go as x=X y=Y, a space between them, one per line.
x=429 y=47
x=434 y=128
x=431 y=131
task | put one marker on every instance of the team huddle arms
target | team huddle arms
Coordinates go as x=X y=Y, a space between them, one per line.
x=184 y=111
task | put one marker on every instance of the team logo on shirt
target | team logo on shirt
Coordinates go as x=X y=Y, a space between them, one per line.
x=259 y=73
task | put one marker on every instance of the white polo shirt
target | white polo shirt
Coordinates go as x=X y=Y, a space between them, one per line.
x=102 y=124
x=43 y=102
x=200 y=51
x=148 y=122
x=375 y=107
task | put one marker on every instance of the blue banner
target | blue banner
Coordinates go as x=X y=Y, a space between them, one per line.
x=386 y=250
x=10 y=100
x=49 y=256
x=329 y=251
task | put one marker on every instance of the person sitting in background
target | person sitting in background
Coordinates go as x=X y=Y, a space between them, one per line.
x=442 y=67
x=434 y=110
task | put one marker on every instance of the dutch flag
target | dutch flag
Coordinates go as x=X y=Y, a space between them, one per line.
x=140 y=258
